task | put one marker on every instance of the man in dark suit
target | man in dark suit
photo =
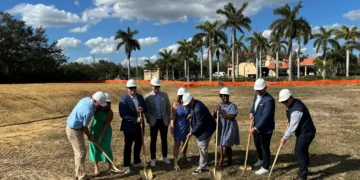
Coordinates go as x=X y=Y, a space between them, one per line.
x=262 y=113
x=203 y=126
x=130 y=107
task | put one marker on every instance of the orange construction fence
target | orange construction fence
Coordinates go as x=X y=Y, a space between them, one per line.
x=244 y=83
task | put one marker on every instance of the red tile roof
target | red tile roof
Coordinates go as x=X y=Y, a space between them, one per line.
x=308 y=62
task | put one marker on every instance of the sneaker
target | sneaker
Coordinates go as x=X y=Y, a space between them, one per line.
x=259 y=163
x=166 y=160
x=261 y=171
x=141 y=164
x=197 y=171
x=153 y=163
x=127 y=170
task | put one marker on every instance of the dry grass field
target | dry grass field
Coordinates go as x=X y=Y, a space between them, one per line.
x=33 y=142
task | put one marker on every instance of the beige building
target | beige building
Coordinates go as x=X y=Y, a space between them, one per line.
x=148 y=75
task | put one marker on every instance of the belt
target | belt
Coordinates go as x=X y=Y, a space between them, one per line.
x=74 y=129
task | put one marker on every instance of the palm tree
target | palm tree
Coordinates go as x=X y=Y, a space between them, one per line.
x=166 y=56
x=349 y=35
x=302 y=33
x=260 y=43
x=235 y=19
x=127 y=40
x=198 y=45
x=187 y=51
x=240 y=47
x=150 y=66
x=287 y=25
x=218 y=48
x=277 y=45
x=210 y=31
x=322 y=39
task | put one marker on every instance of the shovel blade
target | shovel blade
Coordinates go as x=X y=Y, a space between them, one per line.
x=215 y=174
x=146 y=174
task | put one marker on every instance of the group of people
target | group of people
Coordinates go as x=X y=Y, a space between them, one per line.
x=186 y=112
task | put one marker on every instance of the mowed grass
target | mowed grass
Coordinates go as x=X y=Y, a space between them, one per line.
x=36 y=147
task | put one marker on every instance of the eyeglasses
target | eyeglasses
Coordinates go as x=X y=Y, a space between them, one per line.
x=132 y=88
x=224 y=95
x=156 y=87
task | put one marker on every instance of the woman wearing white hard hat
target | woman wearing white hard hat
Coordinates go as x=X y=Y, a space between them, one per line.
x=302 y=124
x=179 y=124
x=228 y=133
x=101 y=130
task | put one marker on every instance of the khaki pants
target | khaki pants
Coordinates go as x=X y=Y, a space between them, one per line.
x=76 y=138
x=203 y=151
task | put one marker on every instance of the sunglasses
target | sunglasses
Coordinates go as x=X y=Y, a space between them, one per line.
x=157 y=87
x=132 y=88
x=285 y=102
x=224 y=95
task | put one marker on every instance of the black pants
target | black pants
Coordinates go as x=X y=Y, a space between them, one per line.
x=302 y=153
x=262 y=143
x=159 y=126
x=130 y=138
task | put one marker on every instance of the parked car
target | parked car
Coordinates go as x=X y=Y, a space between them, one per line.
x=221 y=74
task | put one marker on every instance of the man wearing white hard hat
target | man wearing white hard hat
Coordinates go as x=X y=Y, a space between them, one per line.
x=262 y=113
x=203 y=126
x=131 y=105
x=158 y=116
x=77 y=125
x=302 y=124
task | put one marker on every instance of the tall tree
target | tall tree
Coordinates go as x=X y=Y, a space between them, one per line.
x=287 y=25
x=198 y=45
x=187 y=51
x=260 y=43
x=302 y=35
x=349 y=35
x=236 y=20
x=210 y=31
x=219 y=47
x=166 y=56
x=239 y=48
x=277 y=44
x=322 y=40
x=127 y=40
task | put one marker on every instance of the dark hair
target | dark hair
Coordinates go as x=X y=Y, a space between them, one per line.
x=179 y=97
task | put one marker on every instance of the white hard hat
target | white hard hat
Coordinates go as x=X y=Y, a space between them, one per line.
x=155 y=82
x=260 y=84
x=100 y=98
x=131 y=83
x=225 y=91
x=284 y=95
x=181 y=91
x=108 y=97
x=187 y=97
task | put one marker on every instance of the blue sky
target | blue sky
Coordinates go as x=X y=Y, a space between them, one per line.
x=85 y=27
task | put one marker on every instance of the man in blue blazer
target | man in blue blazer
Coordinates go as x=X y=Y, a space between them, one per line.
x=203 y=126
x=262 y=113
x=130 y=107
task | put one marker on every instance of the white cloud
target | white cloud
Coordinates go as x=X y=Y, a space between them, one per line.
x=267 y=34
x=353 y=15
x=68 y=43
x=148 y=41
x=173 y=47
x=79 y=29
x=316 y=29
x=42 y=15
x=101 y=45
x=153 y=57
x=163 y=12
x=89 y=60
x=95 y=15
x=77 y=3
x=138 y=61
